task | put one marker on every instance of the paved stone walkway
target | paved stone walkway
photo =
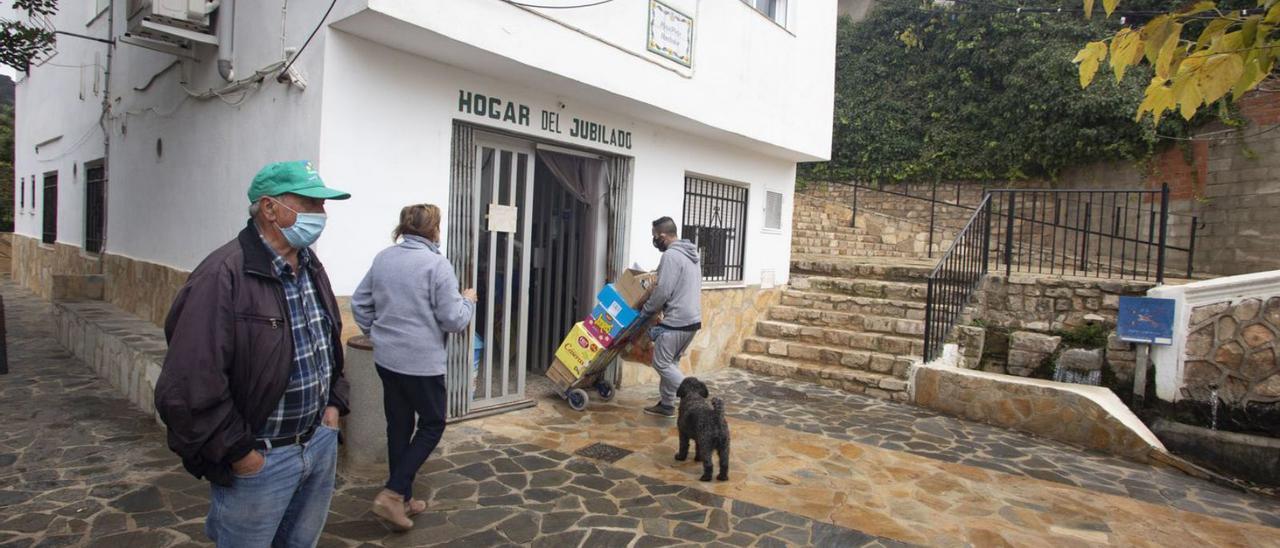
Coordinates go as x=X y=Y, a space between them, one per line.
x=80 y=466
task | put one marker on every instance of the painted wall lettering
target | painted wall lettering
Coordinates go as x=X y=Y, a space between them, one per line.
x=497 y=108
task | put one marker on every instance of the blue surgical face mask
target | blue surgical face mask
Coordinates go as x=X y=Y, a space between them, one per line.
x=306 y=228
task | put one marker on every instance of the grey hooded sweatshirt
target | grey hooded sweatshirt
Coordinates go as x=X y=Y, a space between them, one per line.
x=679 y=291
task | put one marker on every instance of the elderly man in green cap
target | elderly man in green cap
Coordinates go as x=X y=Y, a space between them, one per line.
x=252 y=385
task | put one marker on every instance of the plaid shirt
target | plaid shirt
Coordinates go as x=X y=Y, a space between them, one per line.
x=303 y=403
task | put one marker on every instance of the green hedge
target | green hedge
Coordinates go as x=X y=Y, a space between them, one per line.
x=979 y=96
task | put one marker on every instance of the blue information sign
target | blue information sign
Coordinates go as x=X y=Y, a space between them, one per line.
x=1146 y=320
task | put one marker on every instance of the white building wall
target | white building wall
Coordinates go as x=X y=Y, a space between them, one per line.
x=61 y=99
x=750 y=78
x=386 y=137
x=179 y=166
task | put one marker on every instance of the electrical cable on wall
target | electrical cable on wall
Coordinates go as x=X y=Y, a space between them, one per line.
x=285 y=71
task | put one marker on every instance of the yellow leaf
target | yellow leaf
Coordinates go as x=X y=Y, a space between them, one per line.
x=1089 y=57
x=1156 y=99
x=1254 y=74
x=1231 y=41
x=1187 y=95
x=1154 y=34
x=1088 y=9
x=1126 y=50
x=1110 y=6
x=1212 y=31
x=1199 y=7
x=1168 y=50
x=1219 y=75
x=1249 y=31
x=1273 y=15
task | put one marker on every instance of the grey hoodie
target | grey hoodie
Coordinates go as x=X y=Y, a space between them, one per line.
x=407 y=303
x=679 y=291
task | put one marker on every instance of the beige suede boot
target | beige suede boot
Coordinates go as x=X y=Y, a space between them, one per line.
x=389 y=506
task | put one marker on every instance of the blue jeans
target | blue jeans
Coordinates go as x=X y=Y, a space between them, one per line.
x=284 y=504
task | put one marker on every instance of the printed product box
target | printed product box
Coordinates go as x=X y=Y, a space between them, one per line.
x=610 y=317
x=634 y=286
x=578 y=349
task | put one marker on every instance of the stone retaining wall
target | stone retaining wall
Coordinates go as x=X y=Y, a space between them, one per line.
x=728 y=317
x=138 y=287
x=126 y=351
x=1232 y=351
x=1086 y=416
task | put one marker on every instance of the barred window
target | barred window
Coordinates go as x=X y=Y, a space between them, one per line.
x=715 y=219
x=50 y=207
x=95 y=205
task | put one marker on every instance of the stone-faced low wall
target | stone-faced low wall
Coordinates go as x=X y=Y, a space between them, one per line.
x=138 y=287
x=35 y=263
x=1048 y=303
x=1232 y=350
x=1087 y=416
x=123 y=349
x=728 y=317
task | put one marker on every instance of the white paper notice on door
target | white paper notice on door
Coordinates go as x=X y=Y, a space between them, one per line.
x=502 y=218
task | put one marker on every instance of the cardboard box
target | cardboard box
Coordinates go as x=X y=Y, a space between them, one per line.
x=611 y=316
x=560 y=373
x=634 y=286
x=578 y=349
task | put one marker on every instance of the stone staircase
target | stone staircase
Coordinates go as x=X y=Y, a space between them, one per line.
x=853 y=324
x=852 y=316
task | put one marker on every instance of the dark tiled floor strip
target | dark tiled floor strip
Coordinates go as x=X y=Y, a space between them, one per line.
x=80 y=466
x=814 y=409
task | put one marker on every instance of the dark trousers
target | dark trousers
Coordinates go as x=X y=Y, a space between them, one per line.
x=404 y=396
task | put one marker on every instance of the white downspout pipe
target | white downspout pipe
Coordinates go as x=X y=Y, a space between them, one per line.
x=227 y=40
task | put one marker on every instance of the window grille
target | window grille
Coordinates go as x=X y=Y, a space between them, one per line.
x=715 y=220
x=95 y=205
x=50 y=207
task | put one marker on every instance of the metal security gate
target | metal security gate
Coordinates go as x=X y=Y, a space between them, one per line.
x=489 y=234
x=489 y=228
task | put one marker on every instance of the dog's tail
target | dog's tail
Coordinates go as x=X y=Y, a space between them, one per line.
x=718 y=405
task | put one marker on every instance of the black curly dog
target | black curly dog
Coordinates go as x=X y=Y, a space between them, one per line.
x=704 y=423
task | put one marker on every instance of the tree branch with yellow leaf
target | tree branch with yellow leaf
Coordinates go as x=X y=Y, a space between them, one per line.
x=1234 y=53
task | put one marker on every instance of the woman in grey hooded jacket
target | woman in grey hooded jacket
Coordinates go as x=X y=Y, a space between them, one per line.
x=408 y=303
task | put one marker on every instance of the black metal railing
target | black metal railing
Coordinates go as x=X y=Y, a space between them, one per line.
x=956 y=277
x=931 y=197
x=1089 y=233
x=49 y=217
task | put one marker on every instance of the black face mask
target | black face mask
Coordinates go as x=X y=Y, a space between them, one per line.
x=659 y=244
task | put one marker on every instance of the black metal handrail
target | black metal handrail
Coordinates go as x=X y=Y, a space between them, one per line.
x=956 y=277
x=1089 y=233
x=1121 y=232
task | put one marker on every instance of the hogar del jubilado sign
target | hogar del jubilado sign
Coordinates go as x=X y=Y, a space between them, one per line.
x=510 y=112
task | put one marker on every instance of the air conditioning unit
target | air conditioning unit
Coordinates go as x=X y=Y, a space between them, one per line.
x=171 y=26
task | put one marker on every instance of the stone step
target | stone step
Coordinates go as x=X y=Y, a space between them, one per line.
x=880 y=289
x=853 y=305
x=858 y=382
x=891 y=325
x=842 y=338
x=856 y=253
x=904 y=271
x=835 y=234
x=862 y=360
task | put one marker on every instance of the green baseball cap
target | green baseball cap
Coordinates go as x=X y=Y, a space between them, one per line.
x=298 y=178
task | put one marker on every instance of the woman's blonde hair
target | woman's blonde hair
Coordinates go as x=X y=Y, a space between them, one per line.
x=419 y=220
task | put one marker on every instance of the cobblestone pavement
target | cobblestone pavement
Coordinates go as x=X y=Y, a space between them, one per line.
x=817 y=410
x=80 y=466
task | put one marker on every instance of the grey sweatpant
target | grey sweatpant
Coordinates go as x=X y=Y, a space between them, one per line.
x=668 y=346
